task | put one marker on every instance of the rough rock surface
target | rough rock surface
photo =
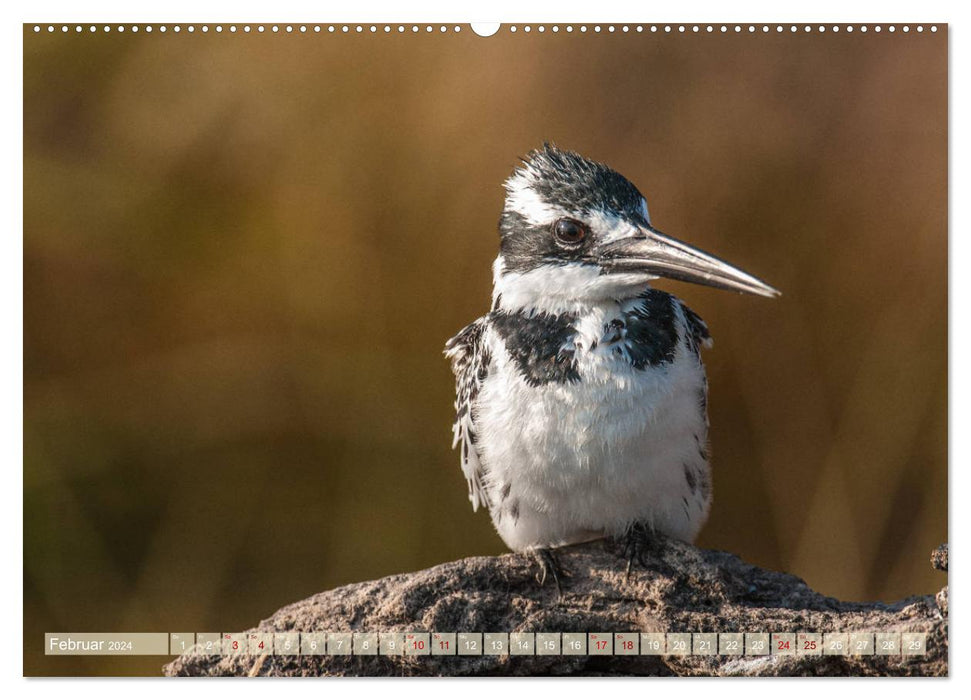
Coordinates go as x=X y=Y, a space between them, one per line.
x=682 y=589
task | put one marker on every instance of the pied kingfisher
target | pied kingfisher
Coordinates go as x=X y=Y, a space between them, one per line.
x=581 y=396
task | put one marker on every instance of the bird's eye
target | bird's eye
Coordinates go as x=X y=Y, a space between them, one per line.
x=569 y=231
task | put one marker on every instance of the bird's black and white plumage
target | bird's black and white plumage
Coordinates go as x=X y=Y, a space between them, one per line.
x=581 y=396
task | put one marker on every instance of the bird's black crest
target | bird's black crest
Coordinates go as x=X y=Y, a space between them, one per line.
x=568 y=180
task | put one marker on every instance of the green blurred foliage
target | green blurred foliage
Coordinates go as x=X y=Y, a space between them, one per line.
x=243 y=255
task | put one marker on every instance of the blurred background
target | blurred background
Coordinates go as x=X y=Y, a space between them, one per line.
x=243 y=255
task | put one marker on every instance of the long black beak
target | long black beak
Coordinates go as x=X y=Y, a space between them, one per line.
x=649 y=251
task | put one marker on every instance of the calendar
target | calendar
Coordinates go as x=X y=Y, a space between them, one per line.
x=416 y=644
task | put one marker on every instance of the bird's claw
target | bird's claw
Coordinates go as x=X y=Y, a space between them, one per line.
x=639 y=543
x=550 y=567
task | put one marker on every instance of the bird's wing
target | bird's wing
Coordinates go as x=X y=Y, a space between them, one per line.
x=700 y=337
x=470 y=364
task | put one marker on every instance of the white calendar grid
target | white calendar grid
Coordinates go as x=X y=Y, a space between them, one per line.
x=854 y=643
x=552 y=643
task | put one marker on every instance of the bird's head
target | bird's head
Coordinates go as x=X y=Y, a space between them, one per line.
x=575 y=232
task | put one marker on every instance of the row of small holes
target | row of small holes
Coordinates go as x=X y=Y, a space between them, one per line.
x=724 y=28
x=259 y=28
x=569 y=28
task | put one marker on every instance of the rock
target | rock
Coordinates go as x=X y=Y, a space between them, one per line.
x=681 y=589
x=939 y=558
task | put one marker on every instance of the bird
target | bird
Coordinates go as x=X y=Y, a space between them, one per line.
x=581 y=396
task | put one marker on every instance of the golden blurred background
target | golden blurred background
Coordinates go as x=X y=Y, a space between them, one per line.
x=243 y=254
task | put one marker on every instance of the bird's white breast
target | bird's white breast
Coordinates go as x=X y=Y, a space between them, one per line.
x=568 y=462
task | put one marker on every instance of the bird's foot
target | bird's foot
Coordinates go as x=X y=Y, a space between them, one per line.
x=639 y=543
x=549 y=567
